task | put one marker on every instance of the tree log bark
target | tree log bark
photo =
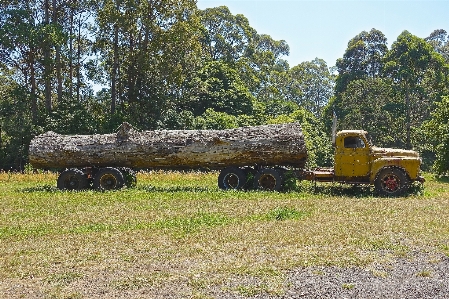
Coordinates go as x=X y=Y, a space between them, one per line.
x=268 y=145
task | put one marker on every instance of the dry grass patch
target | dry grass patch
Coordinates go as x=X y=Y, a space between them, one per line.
x=177 y=235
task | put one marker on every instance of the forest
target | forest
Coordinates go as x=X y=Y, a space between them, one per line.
x=84 y=67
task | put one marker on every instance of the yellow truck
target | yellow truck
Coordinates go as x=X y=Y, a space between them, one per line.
x=357 y=161
x=257 y=157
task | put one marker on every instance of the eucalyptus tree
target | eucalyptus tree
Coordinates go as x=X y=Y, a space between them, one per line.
x=437 y=131
x=148 y=50
x=371 y=104
x=20 y=38
x=439 y=39
x=315 y=82
x=252 y=61
x=225 y=36
x=420 y=78
x=363 y=58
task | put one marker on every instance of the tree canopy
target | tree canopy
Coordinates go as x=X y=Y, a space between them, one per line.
x=83 y=67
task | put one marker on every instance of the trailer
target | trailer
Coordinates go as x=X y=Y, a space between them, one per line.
x=108 y=161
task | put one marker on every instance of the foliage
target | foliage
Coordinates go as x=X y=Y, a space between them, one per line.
x=319 y=147
x=420 y=77
x=362 y=59
x=219 y=87
x=437 y=130
x=15 y=125
x=370 y=105
x=168 y=65
x=215 y=120
x=439 y=39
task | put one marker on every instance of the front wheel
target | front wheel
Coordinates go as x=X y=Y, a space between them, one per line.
x=109 y=178
x=391 y=182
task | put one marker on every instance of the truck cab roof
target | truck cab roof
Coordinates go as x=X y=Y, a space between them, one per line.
x=352 y=132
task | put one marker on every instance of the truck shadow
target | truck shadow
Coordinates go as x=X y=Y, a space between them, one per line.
x=357 y=191
x=442 y=179
x=342 y=190
x=325 y=189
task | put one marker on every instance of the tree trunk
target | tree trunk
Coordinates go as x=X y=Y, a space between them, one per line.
x=114 y=71
x=47 y=62
x=267 y=145
x=34 y=110
x=57 y=55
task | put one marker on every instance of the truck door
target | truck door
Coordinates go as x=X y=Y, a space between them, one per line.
x=352 y=159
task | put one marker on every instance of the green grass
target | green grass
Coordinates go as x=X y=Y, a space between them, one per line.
x=178 y=234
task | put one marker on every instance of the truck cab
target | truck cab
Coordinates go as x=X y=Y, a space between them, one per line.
x=358 y=161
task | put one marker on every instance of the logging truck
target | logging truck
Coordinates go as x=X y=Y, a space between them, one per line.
x=257 y=157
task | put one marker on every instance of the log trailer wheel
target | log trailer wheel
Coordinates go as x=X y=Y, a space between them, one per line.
x=72 y=179
x=268 y=179
x=109 y=178
x=232 y=178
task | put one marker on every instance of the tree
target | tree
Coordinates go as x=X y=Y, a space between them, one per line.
x=370 y=104
x=15 y=125
x=437 y=130
x=230 y=38
x=149 y=50
x=225 y=36
x=219 y=87
x=363 y=58
x=313 y=84
x=439 y=39
x=420 y=77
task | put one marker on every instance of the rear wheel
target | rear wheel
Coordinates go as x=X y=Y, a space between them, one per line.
x=268 y=179
x=72 y=179
x=108 y=178
x=391 y=182
x=231 y=178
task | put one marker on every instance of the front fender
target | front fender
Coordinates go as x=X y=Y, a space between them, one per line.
x=410 y=165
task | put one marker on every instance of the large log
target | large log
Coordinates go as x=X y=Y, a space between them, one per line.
x=266 y=145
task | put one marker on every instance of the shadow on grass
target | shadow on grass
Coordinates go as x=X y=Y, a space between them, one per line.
x=176 y=189
x=357 y=191
x=44 y=188
x=343 y=190
x=442 y=179
x=49 y=188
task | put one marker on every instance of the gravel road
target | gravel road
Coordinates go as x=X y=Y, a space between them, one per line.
x=418 y=275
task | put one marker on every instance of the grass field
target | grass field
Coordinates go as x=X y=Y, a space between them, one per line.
x=177 y=235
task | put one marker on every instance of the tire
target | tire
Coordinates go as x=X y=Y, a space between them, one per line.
x=72 y=179
x=232 y=178
x=129 y=176
x=391 y=182
x=268 y=179
x=109 y=178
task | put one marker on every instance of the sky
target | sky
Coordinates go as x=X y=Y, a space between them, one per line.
x=323 y=28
